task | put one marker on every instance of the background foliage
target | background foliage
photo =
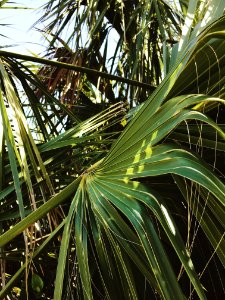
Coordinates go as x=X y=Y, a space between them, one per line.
x=112 y=153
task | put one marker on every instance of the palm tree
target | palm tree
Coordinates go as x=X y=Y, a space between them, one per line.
x=112 y=174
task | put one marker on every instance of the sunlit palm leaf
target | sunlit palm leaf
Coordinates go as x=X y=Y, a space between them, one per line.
x=121 y=227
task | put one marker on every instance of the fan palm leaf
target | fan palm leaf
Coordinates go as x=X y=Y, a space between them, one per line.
x=121 y=227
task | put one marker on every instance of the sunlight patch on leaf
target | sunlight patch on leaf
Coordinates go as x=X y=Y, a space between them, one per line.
x=168 y=219
x=154 y=135
x=190 y=264
x=126 y=180
x=148 y=151
x=140 y=168
x=136 y=184
x=139 y=216
x=130 y=171
x=137 y=158
x=124 y=122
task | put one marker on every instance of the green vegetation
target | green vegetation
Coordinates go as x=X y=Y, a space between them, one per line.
x=112 y=153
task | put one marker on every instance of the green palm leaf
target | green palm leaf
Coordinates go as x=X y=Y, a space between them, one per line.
x=124 y=200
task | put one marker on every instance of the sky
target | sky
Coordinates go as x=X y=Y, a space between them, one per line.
x=22 y=37
x=19 y=32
